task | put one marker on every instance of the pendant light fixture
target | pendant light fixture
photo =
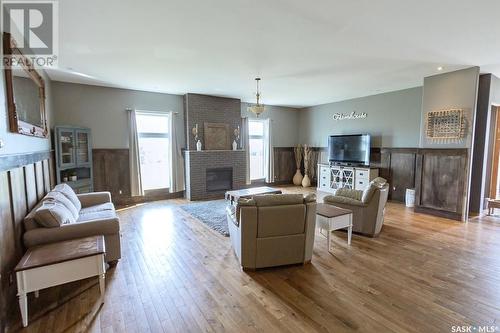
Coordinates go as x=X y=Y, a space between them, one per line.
x=258 y=108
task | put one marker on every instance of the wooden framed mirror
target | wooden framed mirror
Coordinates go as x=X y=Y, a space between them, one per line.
x=25 y=92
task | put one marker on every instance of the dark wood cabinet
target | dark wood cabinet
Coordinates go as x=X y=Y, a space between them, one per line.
x=441 y=176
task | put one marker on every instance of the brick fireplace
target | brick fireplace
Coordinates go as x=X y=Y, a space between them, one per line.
x=210 y=173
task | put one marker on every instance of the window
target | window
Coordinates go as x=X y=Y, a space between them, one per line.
x=154 y=146
x=257 y=146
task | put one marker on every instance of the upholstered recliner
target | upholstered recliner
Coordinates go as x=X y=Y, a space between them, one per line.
x=367 y=206
x=273 y=230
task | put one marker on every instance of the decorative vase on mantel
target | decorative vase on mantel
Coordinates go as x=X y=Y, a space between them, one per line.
x=198 y=145
x=297 y=178
x=306 y=181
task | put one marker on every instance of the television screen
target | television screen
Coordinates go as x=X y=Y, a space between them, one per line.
x=349 y=149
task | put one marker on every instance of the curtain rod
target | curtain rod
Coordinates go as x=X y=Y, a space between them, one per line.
x=151 y=111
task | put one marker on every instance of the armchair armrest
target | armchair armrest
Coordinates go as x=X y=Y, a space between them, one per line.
x=94 y=198
x=331 y=199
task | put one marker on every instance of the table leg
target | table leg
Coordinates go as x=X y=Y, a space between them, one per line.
x=349 y=230
x=328 y=235
x=23 y=306
x=102 y=286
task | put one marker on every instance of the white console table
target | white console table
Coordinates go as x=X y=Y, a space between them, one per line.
x=331 y=178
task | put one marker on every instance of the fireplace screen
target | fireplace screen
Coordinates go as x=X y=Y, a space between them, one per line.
x=219 y=179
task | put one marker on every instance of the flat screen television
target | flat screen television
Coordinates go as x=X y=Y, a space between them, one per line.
x=352 y=150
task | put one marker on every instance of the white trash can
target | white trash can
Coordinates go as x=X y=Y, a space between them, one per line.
x=410 y=197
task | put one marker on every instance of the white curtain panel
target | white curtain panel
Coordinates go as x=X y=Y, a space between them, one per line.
x=268 y=151
x=245 y=144
x=135 y=164
x=177 y=169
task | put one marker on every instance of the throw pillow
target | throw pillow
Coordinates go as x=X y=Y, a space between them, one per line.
x=59 y=197
x=70 y=194
x=53 y=214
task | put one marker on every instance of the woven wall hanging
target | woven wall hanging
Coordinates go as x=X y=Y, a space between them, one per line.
x=446 y=124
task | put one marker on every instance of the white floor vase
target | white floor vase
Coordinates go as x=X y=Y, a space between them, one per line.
x=297 y=178
x=306 y=181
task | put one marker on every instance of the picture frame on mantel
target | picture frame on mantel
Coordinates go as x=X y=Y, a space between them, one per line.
x=217 y=136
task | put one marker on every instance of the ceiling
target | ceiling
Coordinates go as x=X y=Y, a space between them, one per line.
x=307 y=52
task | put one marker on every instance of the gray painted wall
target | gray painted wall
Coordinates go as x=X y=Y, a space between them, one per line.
x=102 y=109
x=285 y=123
x=450 y=90
x=393 y=119
x=16 y=143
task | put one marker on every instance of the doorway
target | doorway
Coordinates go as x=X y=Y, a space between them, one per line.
x=494 y=188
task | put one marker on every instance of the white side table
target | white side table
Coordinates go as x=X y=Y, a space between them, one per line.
x=50 y=265
x=333 y=218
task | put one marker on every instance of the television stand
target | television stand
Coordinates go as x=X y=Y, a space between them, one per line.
x=333 y=177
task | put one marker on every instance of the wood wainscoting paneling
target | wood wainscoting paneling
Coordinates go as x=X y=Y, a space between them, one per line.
x=284 y=165
x=441 y=178
x=21 y=186
x=397 y=165
x=112 y=172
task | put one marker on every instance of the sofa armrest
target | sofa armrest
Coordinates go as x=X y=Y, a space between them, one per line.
x=248 y=232
x=41 y=236
x=94 y=198
x=332 y=199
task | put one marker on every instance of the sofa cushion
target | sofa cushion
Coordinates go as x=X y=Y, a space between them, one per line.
x=100 y=215
x=281 y=220
x=278 y=199
x=97 y=208
x=349 y=193
x=332 y=199
x=53 y=214
x=61 y=198
x=70 y=194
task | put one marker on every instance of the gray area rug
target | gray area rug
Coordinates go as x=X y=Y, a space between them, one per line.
x=212 y=213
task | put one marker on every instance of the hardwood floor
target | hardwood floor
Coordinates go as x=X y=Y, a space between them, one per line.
x=423 y=274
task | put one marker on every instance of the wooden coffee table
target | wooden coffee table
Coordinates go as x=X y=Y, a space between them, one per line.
x=333 y=218
x=233 y=196
x=50 y=265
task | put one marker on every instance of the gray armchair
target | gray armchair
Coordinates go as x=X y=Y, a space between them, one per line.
x=367 y=206
x=273 y=230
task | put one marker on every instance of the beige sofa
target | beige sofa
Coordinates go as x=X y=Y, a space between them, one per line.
x=273 y=230
x=96 y=216
x=367 y=206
